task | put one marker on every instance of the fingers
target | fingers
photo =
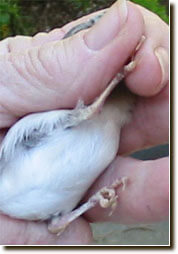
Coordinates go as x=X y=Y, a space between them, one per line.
x=146 y=196
x=149 y=125
x=14 y=232
x=152 y=71
x=150 y=122
x=58 y=73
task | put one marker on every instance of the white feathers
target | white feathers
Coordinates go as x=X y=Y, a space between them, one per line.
x=48 y=173
x=49 y=160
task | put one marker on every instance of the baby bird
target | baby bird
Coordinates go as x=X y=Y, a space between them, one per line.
x=49 y=160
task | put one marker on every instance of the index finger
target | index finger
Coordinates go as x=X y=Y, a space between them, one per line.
x=145 y=198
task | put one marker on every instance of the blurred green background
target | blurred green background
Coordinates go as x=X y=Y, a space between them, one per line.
x=27 y=17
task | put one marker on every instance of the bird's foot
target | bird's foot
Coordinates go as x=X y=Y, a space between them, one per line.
x=106 y=197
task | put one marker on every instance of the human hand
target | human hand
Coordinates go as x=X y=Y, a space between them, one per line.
x=35 y=74
x=146 y=198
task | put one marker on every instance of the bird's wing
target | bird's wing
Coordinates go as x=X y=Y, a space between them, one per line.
x=31 y=129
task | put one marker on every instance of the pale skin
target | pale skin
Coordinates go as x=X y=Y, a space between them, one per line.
x=24 y=89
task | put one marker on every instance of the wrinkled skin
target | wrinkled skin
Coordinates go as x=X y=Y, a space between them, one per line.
x=48 y=76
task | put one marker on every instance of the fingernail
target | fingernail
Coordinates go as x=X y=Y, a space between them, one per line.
x=163 y=59
x=108 y=26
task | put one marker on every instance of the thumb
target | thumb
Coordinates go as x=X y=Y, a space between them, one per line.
x=58 y=73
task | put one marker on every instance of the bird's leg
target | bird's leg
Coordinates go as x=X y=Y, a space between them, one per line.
x=106 y=197
x=82 y=112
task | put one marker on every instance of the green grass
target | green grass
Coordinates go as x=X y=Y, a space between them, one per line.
x=26 y=17
x=154 y=6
